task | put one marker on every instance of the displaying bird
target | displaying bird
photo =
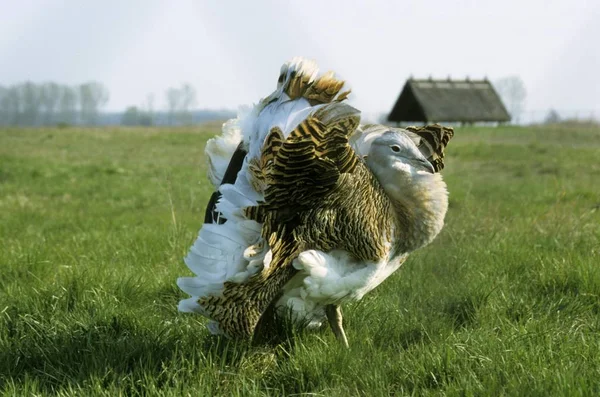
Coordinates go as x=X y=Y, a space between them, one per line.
x=312 y=209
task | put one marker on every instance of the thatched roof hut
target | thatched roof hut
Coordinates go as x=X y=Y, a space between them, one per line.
x=448 y=100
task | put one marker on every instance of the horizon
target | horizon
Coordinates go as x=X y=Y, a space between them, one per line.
x=233 y=58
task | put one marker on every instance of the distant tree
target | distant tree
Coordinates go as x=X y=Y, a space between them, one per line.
x=188 y=101
x=174 y=100
x=135 y=116
x=180 y=103
x=3 y=110
x=50 y=99
x=145 y=119
x=30 y=95
x=92 y=96
x=11 y=105
x=148 y=107
x=67 y=105
x=552 y=117
x=131 y=116
x=513 y=93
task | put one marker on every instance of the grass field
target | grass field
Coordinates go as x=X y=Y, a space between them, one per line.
x=94 y=224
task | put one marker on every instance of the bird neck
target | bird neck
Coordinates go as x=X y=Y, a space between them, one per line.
x=420 y=202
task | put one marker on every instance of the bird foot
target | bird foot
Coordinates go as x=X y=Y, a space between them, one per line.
x=334 y=316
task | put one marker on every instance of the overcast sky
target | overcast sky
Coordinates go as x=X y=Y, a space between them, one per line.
x=231 y=51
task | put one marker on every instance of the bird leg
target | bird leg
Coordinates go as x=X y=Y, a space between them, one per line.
x=334 y=316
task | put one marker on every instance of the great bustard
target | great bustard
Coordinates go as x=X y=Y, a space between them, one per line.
x=312 y=209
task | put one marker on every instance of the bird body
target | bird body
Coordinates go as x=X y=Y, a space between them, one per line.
x=321 y=211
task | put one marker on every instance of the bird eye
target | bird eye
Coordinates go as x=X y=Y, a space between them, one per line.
x=395 y=148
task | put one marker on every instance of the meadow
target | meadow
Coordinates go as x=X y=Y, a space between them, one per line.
x=94 y=225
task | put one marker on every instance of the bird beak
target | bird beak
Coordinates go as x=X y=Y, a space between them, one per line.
x=426 y=166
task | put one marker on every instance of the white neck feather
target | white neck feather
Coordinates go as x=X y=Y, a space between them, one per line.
x=421 y=201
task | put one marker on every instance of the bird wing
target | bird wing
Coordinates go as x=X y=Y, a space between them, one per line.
x=308 y=164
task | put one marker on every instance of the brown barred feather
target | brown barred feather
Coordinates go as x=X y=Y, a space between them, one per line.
x=319 y=91
x=324 y=89
x=258 y=167
x=298 y=84
x=271 y=146
x=343 y=96
x=434 y=139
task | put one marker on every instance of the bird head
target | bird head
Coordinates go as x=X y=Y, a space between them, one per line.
x=394 y=153
x=409 y=179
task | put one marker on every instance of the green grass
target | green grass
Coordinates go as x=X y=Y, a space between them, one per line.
x=94 y=224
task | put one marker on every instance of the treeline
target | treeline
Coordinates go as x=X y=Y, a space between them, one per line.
x=180 y=109
x=31 y=104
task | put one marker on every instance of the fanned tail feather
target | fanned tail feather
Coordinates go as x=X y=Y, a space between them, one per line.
x=220 y=149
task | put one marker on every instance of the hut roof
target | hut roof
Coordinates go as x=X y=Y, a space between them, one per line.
x=448 y=100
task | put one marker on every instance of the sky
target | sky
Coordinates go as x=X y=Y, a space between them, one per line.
x=231 y=51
